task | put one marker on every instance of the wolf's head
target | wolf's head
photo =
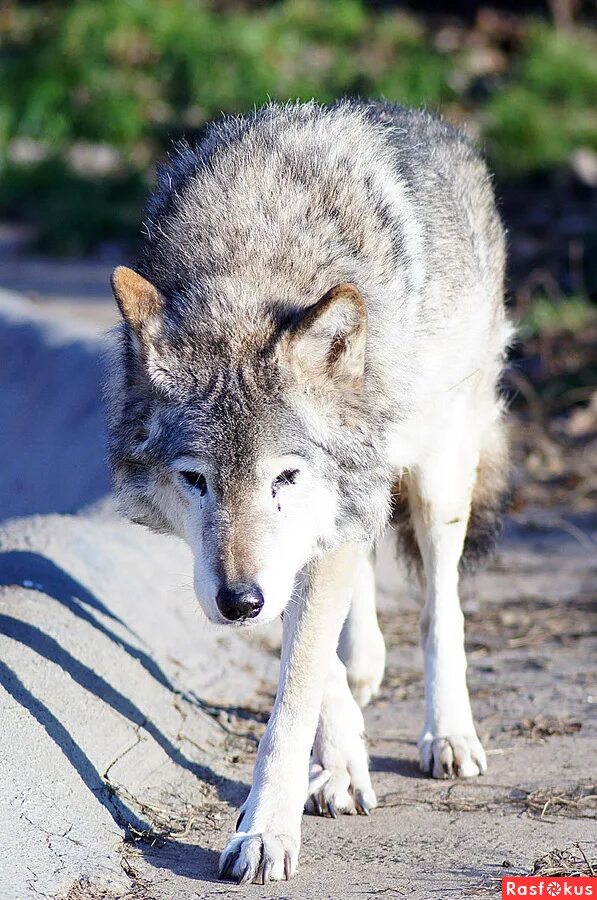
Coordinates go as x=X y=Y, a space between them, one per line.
x=250 y=440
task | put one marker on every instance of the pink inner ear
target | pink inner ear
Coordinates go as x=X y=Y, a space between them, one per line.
x=339 y=311
x=329 y=341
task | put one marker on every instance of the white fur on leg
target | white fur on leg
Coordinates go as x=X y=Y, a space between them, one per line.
x=362 y=648
x=267 y=846
x=439 y=496
x=339 y=779
x=448 y=745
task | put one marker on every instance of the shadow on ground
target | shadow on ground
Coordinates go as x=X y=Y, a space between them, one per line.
x=52 y=446
x=37 y=575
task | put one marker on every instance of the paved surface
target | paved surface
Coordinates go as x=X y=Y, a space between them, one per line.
x=59 y=286
x=52 y=445
x=128 y=727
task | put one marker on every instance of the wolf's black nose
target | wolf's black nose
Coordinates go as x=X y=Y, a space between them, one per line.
x=242 y=601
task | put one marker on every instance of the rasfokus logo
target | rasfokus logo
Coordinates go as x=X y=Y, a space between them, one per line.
x=535 y=886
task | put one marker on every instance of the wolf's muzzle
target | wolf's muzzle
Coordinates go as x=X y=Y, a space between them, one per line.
x=239 y=602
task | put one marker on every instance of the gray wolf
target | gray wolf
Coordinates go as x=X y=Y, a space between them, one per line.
x=311 y=347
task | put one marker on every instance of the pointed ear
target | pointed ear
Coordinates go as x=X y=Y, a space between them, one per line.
x=138 y=300
x=328 y=341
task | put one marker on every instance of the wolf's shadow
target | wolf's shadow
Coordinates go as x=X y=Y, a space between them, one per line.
x=34 y=571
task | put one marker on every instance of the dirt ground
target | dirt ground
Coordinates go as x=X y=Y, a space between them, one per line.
x=531 y=643
x=128 y=752
x=129 y=729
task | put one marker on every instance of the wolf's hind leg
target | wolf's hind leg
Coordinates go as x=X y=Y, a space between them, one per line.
x=439 y=499
x=339 y=779
x=440 y=491
x=362 y=648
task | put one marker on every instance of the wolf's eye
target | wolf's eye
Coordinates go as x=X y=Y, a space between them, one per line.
x=195 y=480
x=288 y=476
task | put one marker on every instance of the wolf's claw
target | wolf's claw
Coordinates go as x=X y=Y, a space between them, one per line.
x=225 y=868
x=260 y=876
x=267 y=871
x=313 y=806
x=361 y=804
x=246 y=876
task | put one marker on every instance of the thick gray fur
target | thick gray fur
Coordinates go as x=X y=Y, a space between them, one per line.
x=252 y=226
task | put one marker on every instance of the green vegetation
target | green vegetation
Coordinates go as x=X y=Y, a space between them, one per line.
x=549 y=107
x=91 y=92
x=557 y=365
x=548 y=317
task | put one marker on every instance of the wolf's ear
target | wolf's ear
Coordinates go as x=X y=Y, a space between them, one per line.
x=138 y=300
x=328 y=341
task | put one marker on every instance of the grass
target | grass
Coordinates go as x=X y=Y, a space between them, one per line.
x=85 y=78
x=548 y=107
x=73 y=212
x=548 y=317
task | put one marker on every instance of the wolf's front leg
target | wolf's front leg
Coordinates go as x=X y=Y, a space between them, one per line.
x=266 y=846
x=339 y=780
x=439 y=497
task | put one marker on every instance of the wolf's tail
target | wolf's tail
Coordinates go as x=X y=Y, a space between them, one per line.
x=490 y=501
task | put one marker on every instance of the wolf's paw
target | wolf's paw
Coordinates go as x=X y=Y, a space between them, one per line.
x=259 y=858
x=339 y=780
x=453 y=756
x=365 y=664
x=332 y=791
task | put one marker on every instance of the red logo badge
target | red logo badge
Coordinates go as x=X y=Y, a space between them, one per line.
x=549 y=886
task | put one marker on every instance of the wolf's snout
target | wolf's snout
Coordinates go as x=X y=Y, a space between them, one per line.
x=241 y=601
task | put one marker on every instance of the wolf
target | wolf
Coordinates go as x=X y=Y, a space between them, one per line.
x=310 y=352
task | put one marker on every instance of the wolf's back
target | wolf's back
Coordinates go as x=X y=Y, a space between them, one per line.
x=290 y=197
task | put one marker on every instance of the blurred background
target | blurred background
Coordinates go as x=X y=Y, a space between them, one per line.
x=93 y=91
